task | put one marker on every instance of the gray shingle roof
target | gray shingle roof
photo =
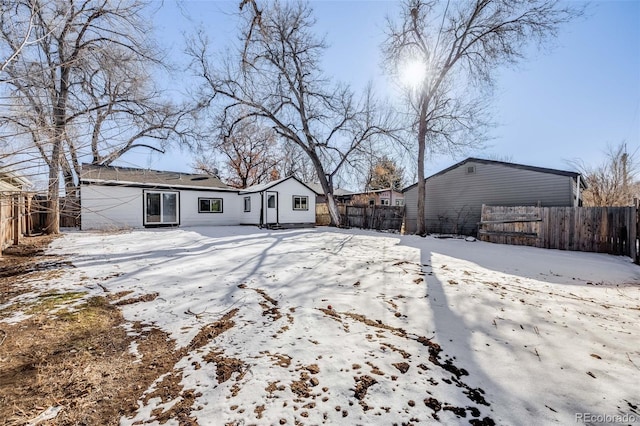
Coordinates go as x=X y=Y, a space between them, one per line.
x=113 y=174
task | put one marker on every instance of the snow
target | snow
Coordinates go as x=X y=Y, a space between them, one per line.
x=527 y=336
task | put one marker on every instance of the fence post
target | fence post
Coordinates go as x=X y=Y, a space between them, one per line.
x=633 y=232
x=16 y=220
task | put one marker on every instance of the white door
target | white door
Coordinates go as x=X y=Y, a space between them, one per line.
x=272 y=207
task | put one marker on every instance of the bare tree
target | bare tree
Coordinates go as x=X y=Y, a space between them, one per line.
x=276 y=77
x=16 y=25
x=251 y=155
x=614 y=181
x=460 y=45
x=81 y=83
x=294 y=161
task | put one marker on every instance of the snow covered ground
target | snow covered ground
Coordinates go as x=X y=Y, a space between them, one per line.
x=333 y=326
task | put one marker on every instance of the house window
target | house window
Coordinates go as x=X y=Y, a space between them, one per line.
x=247 y=204
x=271 y=201
x=471 y=170
x=372 y=202
x=161 y=208
x=399 y=202
x=384 y=201
x=209 y=205
x=300 y=202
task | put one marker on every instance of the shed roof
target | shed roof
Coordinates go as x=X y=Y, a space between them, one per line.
x=506 y=164
x=92 y=173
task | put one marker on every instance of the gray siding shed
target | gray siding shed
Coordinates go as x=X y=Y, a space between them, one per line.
x=454 y=196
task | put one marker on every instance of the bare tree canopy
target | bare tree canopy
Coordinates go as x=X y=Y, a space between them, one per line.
x=449 y=49
x=275 y=77
x=614 y=181
x=251 y=155
x=82 y=84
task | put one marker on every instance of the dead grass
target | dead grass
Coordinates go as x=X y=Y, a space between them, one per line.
x=71 y=353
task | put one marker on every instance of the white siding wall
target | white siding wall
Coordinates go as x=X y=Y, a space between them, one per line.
x=110 y=207
x=286 y=190
x=189 y=215
x=252 y=217
x=116 y=207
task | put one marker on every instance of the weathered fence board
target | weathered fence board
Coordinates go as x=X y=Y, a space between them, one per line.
x=593 y=229
x=364 y=216
x=14 y=218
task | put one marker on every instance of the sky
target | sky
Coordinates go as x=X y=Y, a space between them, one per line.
x=567 y=102
x=540 y=335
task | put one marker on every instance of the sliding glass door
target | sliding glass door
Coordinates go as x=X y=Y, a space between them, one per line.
x=161 y=208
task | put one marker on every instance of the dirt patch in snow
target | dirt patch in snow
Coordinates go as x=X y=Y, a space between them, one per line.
x=72 y=355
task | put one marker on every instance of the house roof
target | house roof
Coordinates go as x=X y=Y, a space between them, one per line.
x=92 y=173
x=317 y=188
x=264 y=186
x=506 y=164
x=12 y=181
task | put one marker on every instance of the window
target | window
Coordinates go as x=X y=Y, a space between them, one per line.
x=400 y=202
x=372 y=202
x=247 y=204
x=271 y=201
x=209 y=205
x=384 y=201
x=161 y=208
x=300 y=202
x=471 y=170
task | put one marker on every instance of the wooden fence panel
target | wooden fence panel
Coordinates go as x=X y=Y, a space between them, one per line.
x=14 y=218
x=364 y=216
x=611 y=230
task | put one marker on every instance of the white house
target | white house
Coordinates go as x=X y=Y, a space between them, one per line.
x=120 y=197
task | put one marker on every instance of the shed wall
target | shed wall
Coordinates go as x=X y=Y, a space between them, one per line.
x=454 y=199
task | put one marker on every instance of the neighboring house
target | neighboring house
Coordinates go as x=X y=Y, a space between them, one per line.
x=339 y=194
x=378 y=197
x=12 y=182
x=454 y=196
x=120 y=197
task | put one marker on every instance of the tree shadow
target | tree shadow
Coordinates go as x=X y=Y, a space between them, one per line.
x=462 y=337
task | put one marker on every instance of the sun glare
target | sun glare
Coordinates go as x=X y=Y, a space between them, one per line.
x=412 y=74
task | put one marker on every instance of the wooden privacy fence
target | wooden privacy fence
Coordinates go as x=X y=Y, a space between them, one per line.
x=15 y=218
x=25 y=214
x=364 y=216
x=612 y=230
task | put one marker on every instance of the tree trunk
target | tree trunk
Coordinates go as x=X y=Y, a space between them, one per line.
x=52 y=224
x=327 y=188
x=334 y=212
x=421 y=228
